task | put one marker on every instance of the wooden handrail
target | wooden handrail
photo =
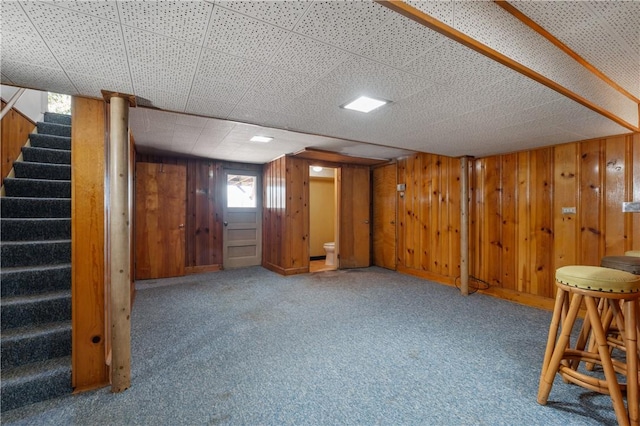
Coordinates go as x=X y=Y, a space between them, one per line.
x=12 y=102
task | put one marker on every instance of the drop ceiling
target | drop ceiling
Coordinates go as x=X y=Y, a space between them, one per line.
x=209 y=75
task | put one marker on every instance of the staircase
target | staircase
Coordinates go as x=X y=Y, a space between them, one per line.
x=35 y=242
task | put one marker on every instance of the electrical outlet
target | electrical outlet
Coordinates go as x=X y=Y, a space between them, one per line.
x=568 y=210
x=631 y=207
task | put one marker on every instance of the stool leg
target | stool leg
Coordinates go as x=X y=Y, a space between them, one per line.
x=553 y=329
x=557 y=352
x=607 y=365
x=631 y=344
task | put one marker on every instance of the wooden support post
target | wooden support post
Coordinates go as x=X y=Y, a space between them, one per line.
x=464 y=226
x=119 y=244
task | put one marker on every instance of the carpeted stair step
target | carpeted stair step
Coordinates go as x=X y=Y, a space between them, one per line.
x=52 y=117
x=22 y=346
x=35 y=382
x=34 y=229
x=54 y=129
x=46 y=155
x=38 y=140
x=31 y=280
x=24 y=311
x=34 y=253
x=27 y=170
x=37 y=188
x=22 y=207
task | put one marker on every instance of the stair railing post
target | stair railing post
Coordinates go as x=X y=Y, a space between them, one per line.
x=119 y=241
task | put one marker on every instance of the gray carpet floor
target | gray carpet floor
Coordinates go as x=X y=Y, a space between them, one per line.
x=359 y=347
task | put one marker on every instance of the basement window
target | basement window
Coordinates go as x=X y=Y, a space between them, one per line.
x=59 y=103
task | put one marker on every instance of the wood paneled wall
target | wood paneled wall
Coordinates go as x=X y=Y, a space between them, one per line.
x=89 y=332
x=428 y=225
x=205 y=198
x=285 y=219
x=519 y=235
x=15 y=130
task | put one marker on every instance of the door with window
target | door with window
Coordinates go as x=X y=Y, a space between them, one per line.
x=242 y=219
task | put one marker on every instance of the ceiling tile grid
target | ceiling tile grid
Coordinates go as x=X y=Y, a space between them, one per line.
x=304 y=55
x=35 y=76
x=344 y=24
x=75 y=29
x=153 y=97
x=399 y=41
x=5 y=80
x=282 y=13
x=442 y=10
x=90 y=85
x=15 y=22
x=582 y=26
x=95 y=63
x=186 y=21
x=24 y=49
x=517 y=41
x=239 y=35
x=376 y=79
x=99 y=9
x=208 y=107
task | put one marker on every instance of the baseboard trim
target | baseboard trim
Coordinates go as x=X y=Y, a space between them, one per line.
x=188 y=270
x=285 y=271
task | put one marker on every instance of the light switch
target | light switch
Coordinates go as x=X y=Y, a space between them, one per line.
x=568 y=210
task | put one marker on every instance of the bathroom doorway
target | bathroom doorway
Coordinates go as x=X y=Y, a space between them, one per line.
x=323 y=218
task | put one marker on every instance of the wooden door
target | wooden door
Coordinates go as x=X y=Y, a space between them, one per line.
x=242 y=216
x=161 y=192
x=384 y=216
x=355 y=211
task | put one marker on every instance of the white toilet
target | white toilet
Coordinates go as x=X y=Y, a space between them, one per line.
x=330 y=249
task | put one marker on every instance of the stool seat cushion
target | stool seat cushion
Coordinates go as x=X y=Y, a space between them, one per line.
x=623 y=263
x=635 y=253
x=597 y=278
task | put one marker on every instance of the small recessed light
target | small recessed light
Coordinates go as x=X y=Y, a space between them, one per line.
x=365 y=104
x=317 y=168
x=263 y=139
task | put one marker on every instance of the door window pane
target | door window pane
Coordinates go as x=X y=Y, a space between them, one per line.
x=241 y=191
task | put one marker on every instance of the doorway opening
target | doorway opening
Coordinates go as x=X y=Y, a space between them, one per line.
x=323 y=219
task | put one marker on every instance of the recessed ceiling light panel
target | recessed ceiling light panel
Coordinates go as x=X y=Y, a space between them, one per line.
x=365 y=104
x=262 y=139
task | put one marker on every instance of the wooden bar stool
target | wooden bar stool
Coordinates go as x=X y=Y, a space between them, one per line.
x=621 y=291
x=635 y=253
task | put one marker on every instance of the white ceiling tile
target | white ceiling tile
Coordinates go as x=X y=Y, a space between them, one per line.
x=344 y=24
x=152 y=96
x=224 y=68
x=109 y=67
x=186 y=21
x=304 y=55
x=454 y=65
x=624 y=18
x=191 y=121
x=15 y=21
x=24 y=49
x=283 y=83
x=282 y=13
x=160 y=78
x=376 y=80
x=31 y=75
x=91 y=85
x=239 y=35
x=158 y=51
x=399 y=41
x=100 y=8
x=67 y=27
x=4 y=79
x=442 y=10
x=208 y=107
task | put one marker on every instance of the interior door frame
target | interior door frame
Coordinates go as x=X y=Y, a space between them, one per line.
x=258 y=209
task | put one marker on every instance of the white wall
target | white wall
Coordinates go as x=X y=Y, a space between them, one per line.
x=32 y=103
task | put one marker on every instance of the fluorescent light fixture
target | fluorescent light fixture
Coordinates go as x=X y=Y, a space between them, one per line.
x=365 y=104
x=263 y=139
x=316 y=168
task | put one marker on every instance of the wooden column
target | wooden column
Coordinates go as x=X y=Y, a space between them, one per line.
x=119 y=251
x=464 y=226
